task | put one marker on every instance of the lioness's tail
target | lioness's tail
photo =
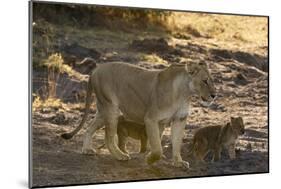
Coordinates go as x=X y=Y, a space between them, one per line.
x=87 y=108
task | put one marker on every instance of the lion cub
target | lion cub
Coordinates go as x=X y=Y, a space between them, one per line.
x=214 y=138
x=126 y=128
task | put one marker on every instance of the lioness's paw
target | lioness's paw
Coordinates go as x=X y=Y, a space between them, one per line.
x=181 y=164
x=88 y=151
x=152 y=158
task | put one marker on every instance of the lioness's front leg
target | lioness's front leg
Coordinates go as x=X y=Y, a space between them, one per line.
x=152 y=131
x=177 y=135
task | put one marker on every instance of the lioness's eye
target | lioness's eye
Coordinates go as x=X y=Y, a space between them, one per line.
x=205 y=81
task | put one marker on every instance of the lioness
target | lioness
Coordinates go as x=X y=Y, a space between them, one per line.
x=126 y=128
x=149 y=97
x=214 y=138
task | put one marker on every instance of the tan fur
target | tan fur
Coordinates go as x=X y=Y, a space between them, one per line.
x=126 y=128
x=146 y=97
x=131 y=129
x=214 y=138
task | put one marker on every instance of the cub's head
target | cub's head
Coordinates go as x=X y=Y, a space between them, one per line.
x=201 y=81
x=238 y=125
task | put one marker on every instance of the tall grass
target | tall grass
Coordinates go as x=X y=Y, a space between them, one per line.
x=56 y=67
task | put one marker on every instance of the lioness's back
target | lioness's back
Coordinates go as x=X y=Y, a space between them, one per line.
x=120 y=74
x=123 y=67
x=125 y=85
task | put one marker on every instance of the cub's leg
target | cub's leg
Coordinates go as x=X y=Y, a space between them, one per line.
x=123 y=134
x=96 y=124
x=161 y=129
x=111 y=137
x=177 y=135
x=201 y=149
x=152 y=131
x=143 y=140
x=122 y=140
x=231 y=151
x=217 y=153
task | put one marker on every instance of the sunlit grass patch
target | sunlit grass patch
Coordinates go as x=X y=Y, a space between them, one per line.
x=153 y=59
x=50 y=103
x=226 y=28
x=55 y=62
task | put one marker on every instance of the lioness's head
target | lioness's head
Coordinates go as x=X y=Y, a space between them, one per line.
x=201 y=81
x=238 y=125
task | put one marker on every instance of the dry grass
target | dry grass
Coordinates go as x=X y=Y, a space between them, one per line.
x=227 y=29
x=56 y=62
x=53 y=103
x=153 y=58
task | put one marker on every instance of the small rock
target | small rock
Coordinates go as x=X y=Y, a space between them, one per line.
x=249 y=147
x=205 y=110
x=46 y=110
x=60 y=118
x=240 y=79
x=217 y=107
x=181 y=36
x=159 y=66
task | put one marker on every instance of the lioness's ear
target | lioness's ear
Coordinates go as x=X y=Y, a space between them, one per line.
x=232 y=119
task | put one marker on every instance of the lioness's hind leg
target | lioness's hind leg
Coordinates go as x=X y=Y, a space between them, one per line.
x=111 y=137
x=96 y=124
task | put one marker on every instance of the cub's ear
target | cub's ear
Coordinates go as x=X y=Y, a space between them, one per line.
x=240 y=119
x=192 y=68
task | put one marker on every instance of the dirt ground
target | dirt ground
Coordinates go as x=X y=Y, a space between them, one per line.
x=240 y=75
x=58 y=162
